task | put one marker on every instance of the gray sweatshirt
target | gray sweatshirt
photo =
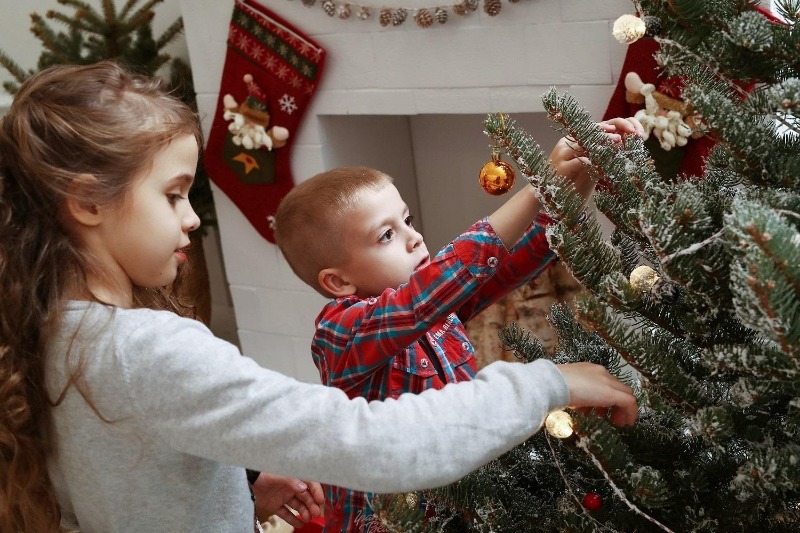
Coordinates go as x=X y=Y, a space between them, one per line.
x=185 y=413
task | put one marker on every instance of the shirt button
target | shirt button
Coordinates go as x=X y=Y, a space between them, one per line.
x=423 y=363
x=465 y=345
x=372 y=300
x=492 y=262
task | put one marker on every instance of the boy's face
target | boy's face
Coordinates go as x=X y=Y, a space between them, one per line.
x=383 y=247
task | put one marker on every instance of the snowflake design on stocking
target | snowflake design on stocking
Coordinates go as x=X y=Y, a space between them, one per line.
x=287 y=104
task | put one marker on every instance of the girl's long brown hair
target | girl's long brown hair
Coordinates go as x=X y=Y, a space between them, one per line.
x=65 y=123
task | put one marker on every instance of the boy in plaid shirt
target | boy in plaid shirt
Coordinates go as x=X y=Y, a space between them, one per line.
x=395 y=322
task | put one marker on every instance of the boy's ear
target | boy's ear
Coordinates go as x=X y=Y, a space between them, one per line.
x=83 y=212
x=332 y=281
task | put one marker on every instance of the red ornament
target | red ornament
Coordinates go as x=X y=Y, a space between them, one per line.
x=592 y=501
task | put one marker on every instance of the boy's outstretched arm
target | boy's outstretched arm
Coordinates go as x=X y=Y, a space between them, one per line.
x=592 y=385
x=569 y=160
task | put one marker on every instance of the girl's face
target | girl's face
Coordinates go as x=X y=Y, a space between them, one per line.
x=143 y=242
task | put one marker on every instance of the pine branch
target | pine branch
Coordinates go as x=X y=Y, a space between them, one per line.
x=143 y=15
x=109 y=11
x=49 y=39
x=86 y=12
x=74 y=23
x=170 y=34
x=604 y=443
x=767 y=277
x=650 y=355
x=15 y=70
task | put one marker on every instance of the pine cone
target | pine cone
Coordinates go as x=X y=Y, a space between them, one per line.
x=492 y=7
x=460 y=9
x=385 y=17
x=440 y=15
x=424 y=19
x=653 y=25
x=364 y=12
x=329 y=7
x=471 y=5
x=343 y=11
x=309 y=3
x=399 y=16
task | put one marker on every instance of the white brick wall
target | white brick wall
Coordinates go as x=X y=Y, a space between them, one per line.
x=443 y=80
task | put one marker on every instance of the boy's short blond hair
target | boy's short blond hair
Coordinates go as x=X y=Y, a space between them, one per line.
x=311 y=222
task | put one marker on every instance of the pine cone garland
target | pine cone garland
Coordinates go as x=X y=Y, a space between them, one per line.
x=329 y=7
x=424 y=18
x=492 y=7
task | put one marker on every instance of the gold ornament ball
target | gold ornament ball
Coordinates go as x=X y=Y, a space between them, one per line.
x=497 y=177
x=559 y=424
x=643 y=278
x=412 y=500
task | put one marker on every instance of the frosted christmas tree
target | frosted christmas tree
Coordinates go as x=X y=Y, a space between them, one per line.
x=694 y=300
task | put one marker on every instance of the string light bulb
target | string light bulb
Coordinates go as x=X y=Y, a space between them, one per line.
x=559 y=424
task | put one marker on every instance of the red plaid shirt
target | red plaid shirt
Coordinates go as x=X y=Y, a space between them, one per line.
x=412 y=338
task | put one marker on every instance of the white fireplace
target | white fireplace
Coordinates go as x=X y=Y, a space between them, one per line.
x=410 y=102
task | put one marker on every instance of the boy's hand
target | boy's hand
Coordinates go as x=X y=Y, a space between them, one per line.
x=569 y=159
x=591 y=385
x=277 y=495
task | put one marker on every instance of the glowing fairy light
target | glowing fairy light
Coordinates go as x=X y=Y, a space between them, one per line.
x=559 y=424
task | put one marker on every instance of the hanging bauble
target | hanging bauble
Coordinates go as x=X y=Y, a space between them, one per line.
x=628 y=29
x=412 y=499
x=592 y=501
x=497 y=177
x=643 y=278
x=559 y=424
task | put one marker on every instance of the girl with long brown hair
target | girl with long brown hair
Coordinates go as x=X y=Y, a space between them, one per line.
x=117 y=413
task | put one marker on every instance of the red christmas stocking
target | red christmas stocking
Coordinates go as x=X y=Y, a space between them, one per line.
x=271 y=72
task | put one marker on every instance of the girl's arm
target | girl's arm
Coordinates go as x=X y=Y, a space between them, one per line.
x=191 y=392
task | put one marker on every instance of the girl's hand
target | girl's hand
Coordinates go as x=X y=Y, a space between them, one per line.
x=295 y=501
x=592 y=385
